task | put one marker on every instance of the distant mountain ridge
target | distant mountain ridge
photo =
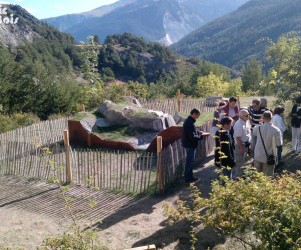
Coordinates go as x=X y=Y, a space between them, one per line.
x=233 y=39
x=155 y=20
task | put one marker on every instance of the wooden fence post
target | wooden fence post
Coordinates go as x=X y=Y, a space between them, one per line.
x=238 y=102
x=130 y=93
x=89 y=142
x=179 y=100
x=159 y=165
x=68 y=161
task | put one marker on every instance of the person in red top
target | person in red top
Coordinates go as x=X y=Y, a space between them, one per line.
x=231 y=109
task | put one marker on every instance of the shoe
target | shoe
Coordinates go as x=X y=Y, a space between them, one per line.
x=281 y=163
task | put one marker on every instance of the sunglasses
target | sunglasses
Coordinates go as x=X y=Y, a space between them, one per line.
x=246 y=115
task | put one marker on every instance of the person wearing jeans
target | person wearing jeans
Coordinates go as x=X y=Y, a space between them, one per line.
x=190 y=141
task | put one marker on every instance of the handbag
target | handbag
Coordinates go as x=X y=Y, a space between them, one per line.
x=271 y=158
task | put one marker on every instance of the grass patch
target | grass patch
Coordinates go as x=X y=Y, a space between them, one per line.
x=121 y=132
x=205 y=117
x=82 y=115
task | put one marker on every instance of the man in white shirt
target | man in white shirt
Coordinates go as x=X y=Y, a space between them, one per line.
x=268 y=139
x=242 y=137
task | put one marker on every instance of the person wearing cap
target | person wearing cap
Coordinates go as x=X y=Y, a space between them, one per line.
x=242 y=137
x=268 y=139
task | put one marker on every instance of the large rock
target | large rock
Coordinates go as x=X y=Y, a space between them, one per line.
x=88 y=123
x=178 y=118
x=131 y=114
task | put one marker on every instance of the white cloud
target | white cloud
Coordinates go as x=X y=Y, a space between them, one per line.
x=4 y=2
x=18 y=1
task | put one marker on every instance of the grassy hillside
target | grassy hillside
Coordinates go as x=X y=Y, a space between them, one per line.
x=232 y=39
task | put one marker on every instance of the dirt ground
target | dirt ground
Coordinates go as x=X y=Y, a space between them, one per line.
x=32 y=210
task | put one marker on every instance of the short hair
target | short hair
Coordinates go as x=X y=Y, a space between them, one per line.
x=195 y=111
x=298 y=100
x=221 y=103
x=232 y=99
x=256 y=101
x=278 y=110
x=267 y=115
x=263 y=99
x=226 y=120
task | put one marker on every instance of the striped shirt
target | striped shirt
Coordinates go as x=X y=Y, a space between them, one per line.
x=255 y=115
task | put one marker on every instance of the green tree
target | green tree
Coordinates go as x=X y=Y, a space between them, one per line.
x=209 y=85
x=285 y=54
x=89 y=53
x=252 y=76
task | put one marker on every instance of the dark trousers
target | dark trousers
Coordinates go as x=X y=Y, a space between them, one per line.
x=190 y=155
x=279 y=152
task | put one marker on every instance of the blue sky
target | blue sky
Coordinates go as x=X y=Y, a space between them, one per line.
x=51 y=8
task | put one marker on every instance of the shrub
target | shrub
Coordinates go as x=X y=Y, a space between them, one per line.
x=270 y=209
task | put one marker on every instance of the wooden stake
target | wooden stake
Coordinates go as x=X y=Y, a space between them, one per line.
x=238 y=102
x=130 y=93
x=179 y=100
x=159 y=165
x=68 y=161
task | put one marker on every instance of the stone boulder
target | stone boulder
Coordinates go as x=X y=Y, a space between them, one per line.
x=178 y=118
x=135 y=116
x=88 y=123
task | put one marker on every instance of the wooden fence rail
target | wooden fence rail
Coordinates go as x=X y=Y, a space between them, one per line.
x=186 y=104
x=134 y=172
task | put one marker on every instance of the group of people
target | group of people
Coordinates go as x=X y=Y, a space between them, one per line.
x=242 y=133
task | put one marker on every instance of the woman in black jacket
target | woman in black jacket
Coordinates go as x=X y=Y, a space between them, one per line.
x=296 y=126
x=224 y=152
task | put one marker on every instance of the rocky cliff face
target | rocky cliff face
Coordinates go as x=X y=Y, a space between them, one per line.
x=17 y=26
x=155 y=20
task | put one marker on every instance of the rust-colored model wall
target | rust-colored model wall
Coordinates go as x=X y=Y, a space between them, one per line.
x=80 y=137
x=169 y=136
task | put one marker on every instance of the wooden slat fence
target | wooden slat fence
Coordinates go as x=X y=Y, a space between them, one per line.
x=134 y=172
x=36 y=164
x=170 y=105
x=128 y=171
x=38 y=134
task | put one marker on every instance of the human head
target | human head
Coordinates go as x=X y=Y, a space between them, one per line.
x=263 y=102
x=256 y=104
x=221 y=103
x=226 y=122
x=232 y=101
x=195 y=113
x=278 y=110
x=267 y=116
x=244 y=114
x=298 y=100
